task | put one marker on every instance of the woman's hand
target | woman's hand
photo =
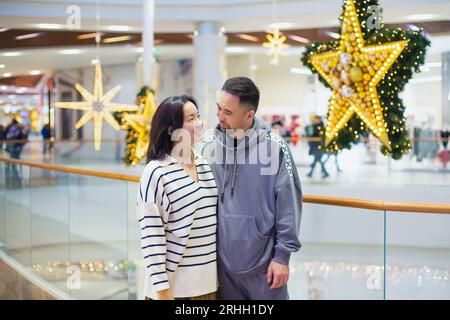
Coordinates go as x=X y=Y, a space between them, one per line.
x=165 y=294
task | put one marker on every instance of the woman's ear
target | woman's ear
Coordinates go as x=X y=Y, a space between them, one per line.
x=169 y=131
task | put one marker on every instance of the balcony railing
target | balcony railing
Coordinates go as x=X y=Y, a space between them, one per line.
x=74 y=233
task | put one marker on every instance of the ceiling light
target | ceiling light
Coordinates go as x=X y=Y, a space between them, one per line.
x=433 y=64
x=298 y=38
x=29 y=36
x=247 y=37
x=7 y=74
x=116 y=39
x=425 y=16
x=35 y=72
x=281 y=25
x=12 y=54
x=49 y=26
x=70 y=51
x=235 y=49
x=413 y=27
x=88 y=35
x=333 y=34
x=300 y=71
x=118 y=28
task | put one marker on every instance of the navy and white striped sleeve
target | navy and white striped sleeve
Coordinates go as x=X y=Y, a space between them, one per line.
x=152 y=216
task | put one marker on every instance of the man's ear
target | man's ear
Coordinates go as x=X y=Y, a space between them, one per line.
x=250 y=114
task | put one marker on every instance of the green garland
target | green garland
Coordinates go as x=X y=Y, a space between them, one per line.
x=388 y=89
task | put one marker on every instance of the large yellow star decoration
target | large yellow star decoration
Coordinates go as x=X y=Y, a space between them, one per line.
x=354 y=69
x=275 y=44
x=98 y=106
x=137 y=144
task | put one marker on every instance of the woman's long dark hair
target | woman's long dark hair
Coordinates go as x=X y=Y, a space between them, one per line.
x=169 y=114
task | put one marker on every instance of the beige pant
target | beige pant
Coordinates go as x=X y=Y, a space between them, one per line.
x=208 y=296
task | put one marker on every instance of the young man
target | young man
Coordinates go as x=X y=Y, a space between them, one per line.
x=260 y=198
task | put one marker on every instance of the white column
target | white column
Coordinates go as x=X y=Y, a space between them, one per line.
x=209 y=68
x=147 y=41
x=446 y=88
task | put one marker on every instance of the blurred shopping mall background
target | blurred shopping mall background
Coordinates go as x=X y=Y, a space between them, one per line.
x=71 y=234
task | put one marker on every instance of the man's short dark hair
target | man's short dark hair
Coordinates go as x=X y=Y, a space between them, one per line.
x=245 y=89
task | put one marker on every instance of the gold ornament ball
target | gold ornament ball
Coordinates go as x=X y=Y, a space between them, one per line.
x=356 y=74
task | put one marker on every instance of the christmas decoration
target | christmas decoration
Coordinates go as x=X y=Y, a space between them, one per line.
x=275 y=40
x=137 y=126
x=275 y=43
x=366 y=69
x=98 y=106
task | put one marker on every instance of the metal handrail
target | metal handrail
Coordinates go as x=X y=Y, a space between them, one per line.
x=323 y=200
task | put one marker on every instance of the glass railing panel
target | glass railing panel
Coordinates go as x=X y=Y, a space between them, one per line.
x=136 y=272
x=83 y=152
x=2 y=205
x=17 y=217
x=418 y=256
x=50 y=228
x=98 y=236
x=341 y=255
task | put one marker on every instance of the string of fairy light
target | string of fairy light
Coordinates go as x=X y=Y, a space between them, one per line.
x=313 y=268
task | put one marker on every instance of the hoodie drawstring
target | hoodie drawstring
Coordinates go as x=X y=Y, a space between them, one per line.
x=234 y=173
x=223 y=184
x=222 y=193
x=233 y=178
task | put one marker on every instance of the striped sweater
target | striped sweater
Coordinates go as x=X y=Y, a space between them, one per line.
x=178 y=221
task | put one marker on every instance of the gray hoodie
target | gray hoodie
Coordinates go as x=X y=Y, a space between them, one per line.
x=260 y=199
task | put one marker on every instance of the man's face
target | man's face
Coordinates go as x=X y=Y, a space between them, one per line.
x=231 y=114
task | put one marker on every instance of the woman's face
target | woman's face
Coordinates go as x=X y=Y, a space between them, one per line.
x=192 y=122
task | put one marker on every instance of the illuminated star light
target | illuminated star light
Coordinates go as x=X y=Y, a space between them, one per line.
x=140 y=122
x=341 y=108
x=98 y=106
x=275 y=43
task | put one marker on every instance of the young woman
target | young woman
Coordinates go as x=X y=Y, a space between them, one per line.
x=177 y=207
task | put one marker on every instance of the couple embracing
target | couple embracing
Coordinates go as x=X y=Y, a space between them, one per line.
x=222 y=223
